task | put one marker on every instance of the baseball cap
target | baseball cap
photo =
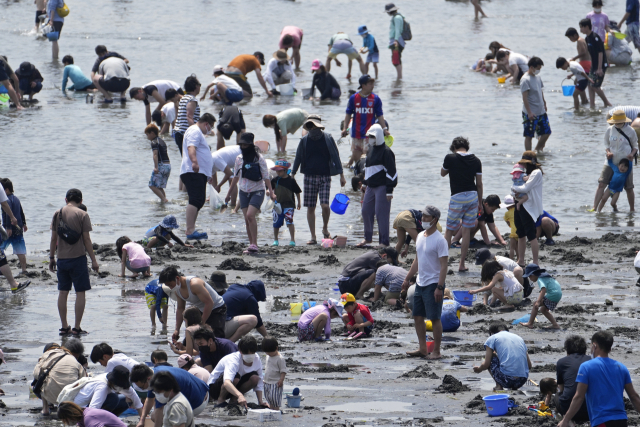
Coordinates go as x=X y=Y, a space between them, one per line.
x=260 y=57
x=366 y=78
x=346 y=298
x=281 y=164
x=183 y=360
x=315 y=65
x=483 y=255
x=218 y=69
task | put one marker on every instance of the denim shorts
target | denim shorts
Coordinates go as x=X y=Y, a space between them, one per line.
x=539 y=125
x=373 y=57
x=160 y=179
x=73 y=271
x=234 y=95
x=17 y=243
x=424 y=303
x=255 y=198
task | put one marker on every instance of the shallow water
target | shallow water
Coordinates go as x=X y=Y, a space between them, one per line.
x=64 y=142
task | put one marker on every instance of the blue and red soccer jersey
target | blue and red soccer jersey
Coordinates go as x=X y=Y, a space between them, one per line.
x=365 y=111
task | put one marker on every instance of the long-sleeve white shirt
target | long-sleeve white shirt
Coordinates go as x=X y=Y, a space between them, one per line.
x=271 y=66
x=120 y=359
x=618 y=144
x=232 y=364
x=95 y=393
x=533 y=188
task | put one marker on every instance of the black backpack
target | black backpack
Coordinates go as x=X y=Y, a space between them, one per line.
x=406 y=29
x=65 y=232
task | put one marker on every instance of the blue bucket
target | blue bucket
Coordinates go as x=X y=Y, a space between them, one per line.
x=464 y=298
x=568 y=89
x=340 y=203
x=293 y=401
x=497 y=404
x=53 y=36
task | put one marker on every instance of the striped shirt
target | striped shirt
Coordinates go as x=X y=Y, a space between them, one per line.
x=181 y=121
x=631 y=111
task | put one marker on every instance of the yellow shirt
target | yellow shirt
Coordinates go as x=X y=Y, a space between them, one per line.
x=508 y=218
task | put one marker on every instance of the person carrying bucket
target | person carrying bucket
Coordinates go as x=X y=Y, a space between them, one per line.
x=318 y=159
x=380 y=178
x=582 y=79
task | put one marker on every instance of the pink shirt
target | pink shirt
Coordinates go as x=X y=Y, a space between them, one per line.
x=247 y=185
x=294 y=32
x=138 y=258
x=308 y=316
x=598 y=23
x=93 y=417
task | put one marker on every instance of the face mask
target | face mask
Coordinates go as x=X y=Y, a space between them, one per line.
x=248 y=358
x=204 y=349
x=315 y=132
x=118 y=389
x=162 y=398
x=536 y=72
x=428 y=225
x=597 y=10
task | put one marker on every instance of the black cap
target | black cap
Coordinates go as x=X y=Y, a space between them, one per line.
x=218 y=282
x=246 y=138
x=366 y=78
x=119 y=377
x=26 y=68
x=260 y=57
x=48 y=346
x=482 y=256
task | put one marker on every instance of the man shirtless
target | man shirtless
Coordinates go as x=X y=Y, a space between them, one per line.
x=582 y=57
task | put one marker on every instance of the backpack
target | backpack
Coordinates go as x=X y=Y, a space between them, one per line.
x=406 y=29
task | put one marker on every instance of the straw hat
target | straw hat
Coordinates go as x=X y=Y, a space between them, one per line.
x=618 y=116
x=281 y=55
x=528 y=157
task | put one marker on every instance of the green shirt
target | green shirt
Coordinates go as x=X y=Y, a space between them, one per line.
x=338 y=36
x=289 y=121
x=554 y=293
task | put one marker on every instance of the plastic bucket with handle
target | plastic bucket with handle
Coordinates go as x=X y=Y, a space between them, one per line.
x=340 y=203
x=293 y=401
x=502 y=80
x=286 y=89
x=464 y=298
x=567 y=90
x=497 y=404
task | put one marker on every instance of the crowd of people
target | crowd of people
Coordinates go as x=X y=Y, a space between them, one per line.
x=218 y=359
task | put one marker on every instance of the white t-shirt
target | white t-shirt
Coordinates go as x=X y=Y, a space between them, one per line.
x=227 y=81
x=194 y=137
x=120 y=359
x=618 y=144
x=113 y=67
x=506 y=263
x=519 y=60
x=94 y=393
x=169 y=112
x=161 y=86
x=224 y=157
x=429 y=251
x=4 y=198
x=232 y=364
x=636 y=262
x=510 y=284
x=577 y=70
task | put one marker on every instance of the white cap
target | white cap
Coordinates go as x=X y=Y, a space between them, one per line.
x=218 y=69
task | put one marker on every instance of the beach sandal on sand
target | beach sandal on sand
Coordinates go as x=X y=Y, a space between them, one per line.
x=65 y=331
x=312 y=242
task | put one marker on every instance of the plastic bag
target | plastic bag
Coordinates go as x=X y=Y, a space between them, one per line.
x=216 y=201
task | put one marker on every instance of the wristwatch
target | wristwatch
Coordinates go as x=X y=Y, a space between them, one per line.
x=441 y=288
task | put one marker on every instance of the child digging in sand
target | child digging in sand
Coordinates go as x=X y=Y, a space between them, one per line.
x=274 y=374
x=548 y=387
x=357 y=318
x=549 y=297
x=133 y=257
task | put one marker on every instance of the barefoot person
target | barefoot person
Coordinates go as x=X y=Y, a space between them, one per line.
x=525 y=217
x=549 y=297
x=432 y=256
x=291 y=37
x=506 y=358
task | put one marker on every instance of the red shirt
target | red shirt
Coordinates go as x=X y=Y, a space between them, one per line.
x=365 y=313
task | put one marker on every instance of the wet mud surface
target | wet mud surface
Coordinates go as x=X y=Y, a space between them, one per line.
x=367 y=381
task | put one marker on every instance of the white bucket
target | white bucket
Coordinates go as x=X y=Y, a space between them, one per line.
x=306 y=93
x=286 y=89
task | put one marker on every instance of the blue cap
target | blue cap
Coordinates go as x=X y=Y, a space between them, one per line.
x=533 y=269
x=169 y=222
x=362 y=30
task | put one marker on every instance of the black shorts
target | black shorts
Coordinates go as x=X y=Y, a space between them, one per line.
x=216 y=320
x=226 y=129
x=216 y=387
x=196 y=184
x=241 y=82
x=179 y=137
x=352 y=285
x=582 y=416
x=581 y=85
x=57 y=25
x=525 y=225
x=39 y=13
x=115 y=84
x=90 y=87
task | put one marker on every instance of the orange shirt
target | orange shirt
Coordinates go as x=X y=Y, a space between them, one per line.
x=245 y=63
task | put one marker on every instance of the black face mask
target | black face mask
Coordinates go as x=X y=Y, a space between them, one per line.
x=248 y=154
x=315 y=132
x=204 y=349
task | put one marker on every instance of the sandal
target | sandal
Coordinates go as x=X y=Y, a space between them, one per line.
x=363 y=244
x=253 y=248
x=312 y=242
x=326 y=235
x=456 y=245
x=65 y=331
x=78 y=331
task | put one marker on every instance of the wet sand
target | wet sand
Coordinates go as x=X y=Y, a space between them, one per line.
x=343 y=382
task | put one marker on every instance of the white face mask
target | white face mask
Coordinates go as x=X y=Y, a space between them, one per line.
x=248 y=358
x=428 y=225
x=536 y=72
x=118 y=389
x=597 y=10
x=162 y=398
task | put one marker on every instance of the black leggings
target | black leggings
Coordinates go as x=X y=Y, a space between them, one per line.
x=196 y=184
x=525 y=225
x=179 y=137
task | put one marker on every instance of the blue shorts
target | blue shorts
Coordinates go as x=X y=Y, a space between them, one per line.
x=373 y=57
x=424 y=303
x=285 y=216
x=160 y=179
x=73 y=271
x=17 y=243
x=539 y=125
x=234 y=95
x=505 y=381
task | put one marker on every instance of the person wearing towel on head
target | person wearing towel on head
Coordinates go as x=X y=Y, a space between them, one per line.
x=380 y=178
x=198 y=293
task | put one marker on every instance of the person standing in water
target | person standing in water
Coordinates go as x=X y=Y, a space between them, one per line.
x=599 y=63
x=534 y=106
x=56 y=21
x=396 y=42
x=632 y=18
x=291 y=37
x=599 y=19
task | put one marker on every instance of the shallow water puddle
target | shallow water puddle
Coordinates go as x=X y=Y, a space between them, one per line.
x=454 y=418
x=381 y=406
x=331 y=387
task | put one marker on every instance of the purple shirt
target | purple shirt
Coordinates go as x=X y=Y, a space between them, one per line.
x=598 y=22
x=100 y=418
x=308 y=316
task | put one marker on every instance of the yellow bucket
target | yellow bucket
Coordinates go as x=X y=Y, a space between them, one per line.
x=296 y=308
x=502 y=80
x=619 y=35
x=388 y=140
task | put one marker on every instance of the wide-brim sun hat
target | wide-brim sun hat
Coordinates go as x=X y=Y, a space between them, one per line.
x=508 y=201
x=619 y=116
x=281 y=55
x=315 y=119
x=169 y=222
x=362 y=30
x=390 y=7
